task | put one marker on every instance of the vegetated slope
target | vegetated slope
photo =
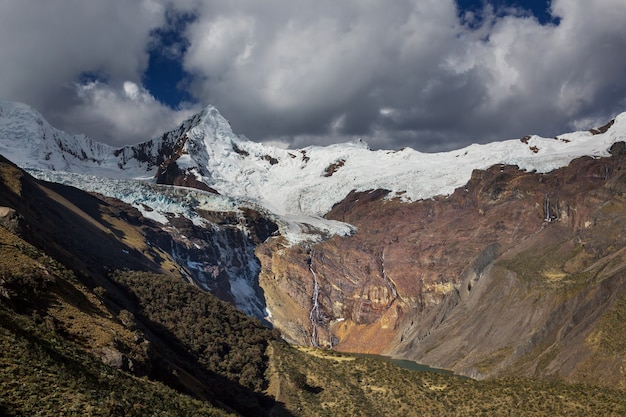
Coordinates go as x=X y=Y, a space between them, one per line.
x=316 y=383
x=214 y=350
x=81 y=230
x=52 y=330
x=64 y=285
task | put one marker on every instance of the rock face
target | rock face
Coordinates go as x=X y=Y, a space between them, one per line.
x=219 y=258
x=10 y=219
x=516 y=272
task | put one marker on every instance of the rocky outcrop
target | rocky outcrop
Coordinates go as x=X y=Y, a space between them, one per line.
x=172 y=174
x=220 y=257
x=10 y=220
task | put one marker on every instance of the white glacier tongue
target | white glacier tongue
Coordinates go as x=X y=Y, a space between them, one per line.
x=155 y=202
x=299 y=186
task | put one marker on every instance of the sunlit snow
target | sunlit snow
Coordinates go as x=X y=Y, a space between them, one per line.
x=298 y=186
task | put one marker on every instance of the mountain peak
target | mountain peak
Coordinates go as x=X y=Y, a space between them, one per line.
x=31 y=142
x=211 y=118
x=210 y=111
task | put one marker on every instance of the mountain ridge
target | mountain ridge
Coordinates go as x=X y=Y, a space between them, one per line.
x=399 y=252
x=288 y=182
x=142 y=343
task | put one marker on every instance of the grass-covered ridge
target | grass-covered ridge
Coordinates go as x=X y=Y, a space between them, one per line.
x=325 y=383
x=45 y=366
x=59 y=333
x=611 y=332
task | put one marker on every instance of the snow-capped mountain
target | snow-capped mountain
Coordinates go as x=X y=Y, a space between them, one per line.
x=512 y=250
x=292 y=189
x=28 y=139
x=299 y=185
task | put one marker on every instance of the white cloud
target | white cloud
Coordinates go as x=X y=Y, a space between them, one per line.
x=48 y=46
x=129 y=114
x=49 y=43
x=305 y=64
x=295 y=72
x=556 y=73
x=401 y=73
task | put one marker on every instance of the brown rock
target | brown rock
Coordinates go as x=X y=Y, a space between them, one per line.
x=112 y=357
x=10 y=219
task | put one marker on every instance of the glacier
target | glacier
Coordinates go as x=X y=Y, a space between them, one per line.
x=297 y=184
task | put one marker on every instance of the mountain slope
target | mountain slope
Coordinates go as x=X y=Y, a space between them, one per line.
x=71 y=348
x=515 y=273
x=76 y=267
x=68 y=222
x=43 y=374
x=491 y=260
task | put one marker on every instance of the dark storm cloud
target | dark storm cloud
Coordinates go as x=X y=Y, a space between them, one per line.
x=410 y=72
x=405 y=73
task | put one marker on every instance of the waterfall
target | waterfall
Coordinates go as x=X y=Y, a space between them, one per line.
x=388 y=281
x=315 y=315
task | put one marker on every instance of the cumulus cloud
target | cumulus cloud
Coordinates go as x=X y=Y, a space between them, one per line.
x=129 y=114
x=52 y=42
x=291 y=71
x=414 y=73
x=297 y=71
x=49 y=46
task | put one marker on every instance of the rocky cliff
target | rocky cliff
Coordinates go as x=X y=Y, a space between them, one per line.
x=515 y=273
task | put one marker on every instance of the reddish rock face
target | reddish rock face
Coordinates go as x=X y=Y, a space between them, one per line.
x=464 y=281
x=170 y=173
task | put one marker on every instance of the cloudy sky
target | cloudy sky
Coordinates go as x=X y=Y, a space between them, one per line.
x=429 y=74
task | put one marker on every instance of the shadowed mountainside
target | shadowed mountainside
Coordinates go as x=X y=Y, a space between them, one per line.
x=77 y=276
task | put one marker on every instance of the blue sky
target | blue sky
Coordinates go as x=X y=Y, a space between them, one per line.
x=165 y=76
x=429 y=74
x=540 y=9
